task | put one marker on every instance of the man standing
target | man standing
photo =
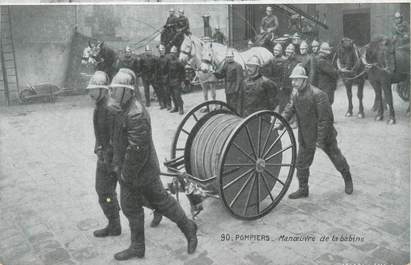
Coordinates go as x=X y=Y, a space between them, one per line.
x=269 y=23
x=315 y=129
x=106 y=180
x=327 y=74
x=273 y=69
x=308 y=61
x=296 y=41
x=163 y=64
x=315 y=45
x=218 y=36
x=176 y=74
x=149 y=67
x=128 y=60
x=169 y=30
x=294 y=24
x=259 y=92
x=138 y=169
x=400 y=29
x=183 y=24
x=172 y=19
x=289 y=64
x=233 y=74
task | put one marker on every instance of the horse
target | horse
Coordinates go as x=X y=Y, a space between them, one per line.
x=265 y=40
x=351 y=70
x=102 y=57
x=385 y=65
x=205 y=57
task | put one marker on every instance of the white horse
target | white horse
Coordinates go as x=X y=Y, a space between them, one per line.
x=204 y=57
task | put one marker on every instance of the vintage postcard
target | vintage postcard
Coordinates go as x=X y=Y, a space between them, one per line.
x=223 y=133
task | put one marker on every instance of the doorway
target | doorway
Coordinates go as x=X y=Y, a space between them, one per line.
x=356 y=26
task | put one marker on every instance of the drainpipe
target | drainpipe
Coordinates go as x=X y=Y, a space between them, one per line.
x=230 y=25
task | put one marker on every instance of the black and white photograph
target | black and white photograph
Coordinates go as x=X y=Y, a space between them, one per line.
x=204 y=133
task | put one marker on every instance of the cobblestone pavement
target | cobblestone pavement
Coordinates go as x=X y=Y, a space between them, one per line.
x=49 y=207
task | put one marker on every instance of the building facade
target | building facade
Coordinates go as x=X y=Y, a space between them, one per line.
x=42 y=34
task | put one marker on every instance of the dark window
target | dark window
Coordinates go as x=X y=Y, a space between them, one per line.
x=356 y=26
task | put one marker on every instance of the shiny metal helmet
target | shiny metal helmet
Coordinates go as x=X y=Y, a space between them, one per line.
x=99 y=80
x=290 y=48
x=298 y=72
x=315 y=43
x=230 y=53
x=303 y=45
x=124 y=78
x=325 y=48
x=174 y=49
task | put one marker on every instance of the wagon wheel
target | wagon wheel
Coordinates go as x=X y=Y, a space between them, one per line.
x=188 y=122
x=256 y=165
x=403 y=90
x=25 y=95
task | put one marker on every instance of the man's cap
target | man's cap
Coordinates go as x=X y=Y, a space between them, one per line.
x=278 y=47
x=296 y=36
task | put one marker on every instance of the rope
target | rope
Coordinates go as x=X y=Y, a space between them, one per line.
x=149 y=40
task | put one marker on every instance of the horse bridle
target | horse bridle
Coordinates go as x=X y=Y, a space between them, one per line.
x=189 y=53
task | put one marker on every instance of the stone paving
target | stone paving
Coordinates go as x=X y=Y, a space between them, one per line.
x=49 y=208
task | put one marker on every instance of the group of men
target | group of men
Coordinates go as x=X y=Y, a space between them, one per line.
x=178 y=25
x=315 y=58
x=297 y=24
x=299 y=82
x=294 y=94
x=126 y=155
x=165 y=73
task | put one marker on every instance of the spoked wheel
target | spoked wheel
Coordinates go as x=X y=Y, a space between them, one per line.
x=190 y=119
x=25 y=95
x=256 y=165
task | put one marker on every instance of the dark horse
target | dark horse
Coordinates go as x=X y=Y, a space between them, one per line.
x=102 y=57
x=265 y=40
x=351 y=70
x=385 y=65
